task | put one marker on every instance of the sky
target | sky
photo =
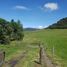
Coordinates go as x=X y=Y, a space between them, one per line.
x=33 y=13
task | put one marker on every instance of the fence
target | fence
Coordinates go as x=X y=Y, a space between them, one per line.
x=2 y=58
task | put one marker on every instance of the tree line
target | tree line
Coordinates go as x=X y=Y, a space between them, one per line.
x=10 y=31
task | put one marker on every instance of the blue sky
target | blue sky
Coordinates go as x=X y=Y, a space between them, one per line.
x=34 y=13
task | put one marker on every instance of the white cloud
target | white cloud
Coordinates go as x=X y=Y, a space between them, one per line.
x=41 y=27
x=51 y=6
x=19 y=7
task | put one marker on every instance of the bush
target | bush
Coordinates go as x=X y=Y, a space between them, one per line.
x=10 y=31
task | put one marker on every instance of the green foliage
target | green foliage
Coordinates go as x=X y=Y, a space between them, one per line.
x=61 y=24
x=10 y=31
x=17 y=29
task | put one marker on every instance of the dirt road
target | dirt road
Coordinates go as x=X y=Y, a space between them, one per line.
x=14 y=61
x=44 y=60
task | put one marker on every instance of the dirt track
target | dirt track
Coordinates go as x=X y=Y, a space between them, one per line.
x=45 y=61
x=13 y=62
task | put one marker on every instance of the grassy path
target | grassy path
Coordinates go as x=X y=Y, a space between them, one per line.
x=27 y=58
x=46 y=62
x=31 y=56
x=44 y=59
x=24 y=59
x=15 y=60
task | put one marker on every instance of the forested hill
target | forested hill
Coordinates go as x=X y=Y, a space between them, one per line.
x=61 y=24
x=30 y=29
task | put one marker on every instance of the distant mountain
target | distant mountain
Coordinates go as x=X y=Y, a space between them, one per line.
x=30 y=29
x=61 y=24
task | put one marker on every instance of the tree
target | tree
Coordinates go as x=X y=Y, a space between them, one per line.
x=17 y=30
x=4 y=38
x=10 y=31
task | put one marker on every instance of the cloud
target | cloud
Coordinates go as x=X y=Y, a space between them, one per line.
x=19 y=7
x=41 y=27
x=51 y=6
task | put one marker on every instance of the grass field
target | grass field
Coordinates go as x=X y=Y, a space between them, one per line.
x=48 y=38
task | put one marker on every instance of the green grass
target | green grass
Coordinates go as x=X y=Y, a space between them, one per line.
x=12 y=49
x=28 y=61
x=49 y=38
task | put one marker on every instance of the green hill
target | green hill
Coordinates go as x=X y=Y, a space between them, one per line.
x=30 y=29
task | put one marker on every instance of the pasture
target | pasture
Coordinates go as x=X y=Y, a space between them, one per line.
x=55 y=42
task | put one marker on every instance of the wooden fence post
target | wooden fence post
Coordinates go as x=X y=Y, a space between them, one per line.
x=40 y=54
x=2 y=58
